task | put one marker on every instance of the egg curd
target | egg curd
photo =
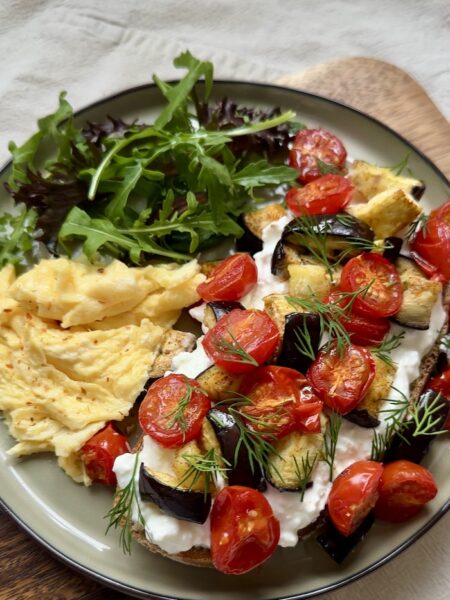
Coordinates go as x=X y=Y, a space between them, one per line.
x=77 y=345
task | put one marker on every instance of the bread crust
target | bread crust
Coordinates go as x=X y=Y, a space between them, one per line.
x=201 y=557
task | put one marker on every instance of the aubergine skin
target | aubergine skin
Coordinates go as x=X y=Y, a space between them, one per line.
x=221 y=308
x=248 y=242
x=362 y=418
x=408 y=447
x=227 y=432
x=339 y=546
x=187 y=505
x=277 y=266
x=290 y=356
x=392 y=252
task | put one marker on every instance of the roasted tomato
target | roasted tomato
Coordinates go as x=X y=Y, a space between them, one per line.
x=342 y=378
x=314 y=145
x=433 y=241
x=326 y=195
x=441 y=383
x=354 y=494
x=230 y=280
x=244 y=531
x=282 y=400
x=362 y=330
x=404 y=489
x=379 y=278
x=173 y=410
x=242 y=340
x=100 y=452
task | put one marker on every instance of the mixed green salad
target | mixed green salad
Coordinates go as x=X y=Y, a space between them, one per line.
x=134 y=190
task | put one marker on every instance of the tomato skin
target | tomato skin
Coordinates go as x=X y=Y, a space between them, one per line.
x=342 y=379
x=441 y=383
x=326 y=195
x=384 y=297
x=156 y=412
x=312 y=144
x=100 y=452
x=251 y=330
x=404 y=489
x=244 y=530
x=283 y=398
x=433 y=242
x=362 y=330
x=231 y=279
x=354 y=494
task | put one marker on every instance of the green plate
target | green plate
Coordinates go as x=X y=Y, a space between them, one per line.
x=67 y=518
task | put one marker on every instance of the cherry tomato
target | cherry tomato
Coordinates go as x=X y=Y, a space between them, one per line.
x=362 y=330
x=311 y=145
x=244 y=530
x=230 y=280
x=432 y=242
x=404 y=489
x=282 y=400
x=441 y=383
x=430 y=270
x=384 y=296
x=242 y=340
x=100 y=452
x=342 y=379
x=326 y=195
x=354 y=494
x=173 y=409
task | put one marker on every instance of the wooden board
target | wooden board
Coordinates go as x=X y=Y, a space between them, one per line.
x=27 y=571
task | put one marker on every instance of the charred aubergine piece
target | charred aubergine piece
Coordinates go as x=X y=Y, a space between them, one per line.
x=291 y=354
x=184 y=504
x=216 y=310
x=227 y=432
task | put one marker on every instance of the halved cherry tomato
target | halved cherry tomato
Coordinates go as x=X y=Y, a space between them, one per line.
x=242 y=340
x=441 y=383
x=244 y=530
x=173 y=409
x=362 y=330
x=282 y=401
x=342 y=379
x=384 y=295
x=404 y=489
x=326 y=195
x=100 y=452
x=311 y=145
x=433 y=241
x=354 y=494
x=230 y=280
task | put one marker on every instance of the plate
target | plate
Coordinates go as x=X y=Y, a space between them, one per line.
x=67 y=518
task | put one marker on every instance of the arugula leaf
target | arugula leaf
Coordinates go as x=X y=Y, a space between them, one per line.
x=16 y=236
x=261 y=173
x=130 y=176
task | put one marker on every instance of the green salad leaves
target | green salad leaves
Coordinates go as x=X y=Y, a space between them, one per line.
x=136 y=191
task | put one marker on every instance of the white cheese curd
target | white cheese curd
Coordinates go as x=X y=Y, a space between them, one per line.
x=198 y=313
x=170 y=534
x=192 y=363
x=267 y=283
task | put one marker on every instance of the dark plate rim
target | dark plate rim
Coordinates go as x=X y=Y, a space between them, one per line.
x=139 y=593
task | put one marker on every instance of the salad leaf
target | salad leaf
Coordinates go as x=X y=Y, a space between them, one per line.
x=16 y=236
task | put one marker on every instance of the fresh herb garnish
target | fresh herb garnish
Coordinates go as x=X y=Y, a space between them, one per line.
x=233 y=350
x=16 y=236
x=303 y=342
x=388 y=345
x=400 y=166
x=304 y=472
x=425 y=422
x=122 y=512
x=330 y=440
x=327 y=168
x=177 y=415
x=419 y=224
x=208 y=466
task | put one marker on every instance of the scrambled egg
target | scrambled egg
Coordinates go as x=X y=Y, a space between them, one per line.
x=77 y=344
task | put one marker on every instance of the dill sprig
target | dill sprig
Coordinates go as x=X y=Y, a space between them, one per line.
x=122 y=513
x=400 y=166
x=304 y=472
x=209 y=466
x=425 y=422
x=177 y=415
x=234 y=350
x=330 y=316
x=255 y=441
x=326 y=168
x=419 y=224
x=388 y=345
x=304 y=343
x=330 y=440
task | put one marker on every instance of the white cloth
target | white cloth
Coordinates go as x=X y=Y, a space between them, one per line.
x=94 y=49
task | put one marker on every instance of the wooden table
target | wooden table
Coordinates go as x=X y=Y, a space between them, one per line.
x=27 y=571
